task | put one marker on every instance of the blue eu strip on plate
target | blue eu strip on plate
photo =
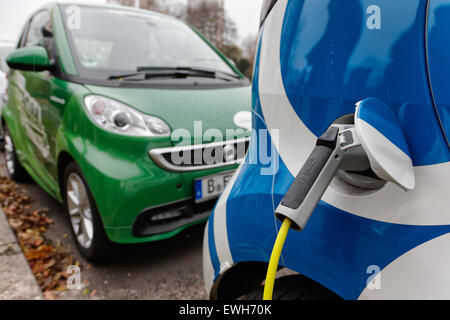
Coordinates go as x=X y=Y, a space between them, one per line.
x=198 y=189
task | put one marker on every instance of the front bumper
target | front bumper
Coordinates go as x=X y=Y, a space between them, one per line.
x=128 y=189
x=130 y=204
x=171 y=217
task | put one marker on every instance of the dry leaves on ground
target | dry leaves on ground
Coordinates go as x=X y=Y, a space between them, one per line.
x=48 y=262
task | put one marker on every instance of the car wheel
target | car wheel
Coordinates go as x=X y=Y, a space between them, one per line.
x=295 y=287
x=86 y=225
x=14 y=169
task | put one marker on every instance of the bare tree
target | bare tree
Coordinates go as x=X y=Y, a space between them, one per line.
x=173 y=7
x=210 y=18
x=150 y=5
x=129 y=3
x=230 y=34
x=249 y=47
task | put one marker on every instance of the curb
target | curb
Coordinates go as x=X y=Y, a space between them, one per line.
x=17 y=282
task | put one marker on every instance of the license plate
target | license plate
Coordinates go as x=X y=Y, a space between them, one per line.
x=211 y=187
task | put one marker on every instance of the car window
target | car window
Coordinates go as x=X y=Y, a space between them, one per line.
x=40 y=31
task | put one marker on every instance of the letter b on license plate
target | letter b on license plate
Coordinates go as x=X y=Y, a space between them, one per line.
x=211 y=187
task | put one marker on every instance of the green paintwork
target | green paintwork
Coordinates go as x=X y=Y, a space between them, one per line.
x=31 y=57
x=48 y=123
x=180 y=108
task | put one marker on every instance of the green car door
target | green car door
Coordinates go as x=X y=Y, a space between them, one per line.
x=41 y=102
x=36 y=115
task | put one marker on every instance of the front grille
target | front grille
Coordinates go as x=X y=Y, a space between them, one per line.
x=188 y=212
x=200 y=157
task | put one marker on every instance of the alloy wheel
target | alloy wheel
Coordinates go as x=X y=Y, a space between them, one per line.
x=80 y=210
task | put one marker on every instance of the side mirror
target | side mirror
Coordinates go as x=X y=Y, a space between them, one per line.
x=384 y=142
x=29 y=59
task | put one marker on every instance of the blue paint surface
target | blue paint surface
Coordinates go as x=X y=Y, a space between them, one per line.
x=439 y=58
x=212 y=247
x=329 y=61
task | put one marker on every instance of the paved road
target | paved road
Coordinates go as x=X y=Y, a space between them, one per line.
x=169 y=269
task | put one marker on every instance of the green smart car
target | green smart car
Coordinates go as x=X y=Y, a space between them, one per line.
x=131 y=118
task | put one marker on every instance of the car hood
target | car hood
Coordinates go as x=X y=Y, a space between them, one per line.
x=216 y=108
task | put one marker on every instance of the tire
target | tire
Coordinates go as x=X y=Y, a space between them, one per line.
x=85 y=222
x=14 y=169
x=295 y=287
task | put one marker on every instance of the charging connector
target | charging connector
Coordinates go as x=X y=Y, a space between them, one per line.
x=309 y=186
x=313 y=179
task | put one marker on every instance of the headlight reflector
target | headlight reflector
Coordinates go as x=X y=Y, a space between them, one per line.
x=119 y=118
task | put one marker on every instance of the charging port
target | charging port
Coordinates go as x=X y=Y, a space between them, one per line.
x=355 y=176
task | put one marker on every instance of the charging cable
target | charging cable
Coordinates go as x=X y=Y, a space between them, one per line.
x=307 y=189
x=274 y=258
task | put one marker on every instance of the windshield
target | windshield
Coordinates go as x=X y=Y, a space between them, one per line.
x=107 y=41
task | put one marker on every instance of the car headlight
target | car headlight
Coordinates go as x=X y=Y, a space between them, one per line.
x=266 y=8
x=119 y=118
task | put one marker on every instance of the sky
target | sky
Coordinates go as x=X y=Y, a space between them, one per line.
x=13 y=15
x=246 y=15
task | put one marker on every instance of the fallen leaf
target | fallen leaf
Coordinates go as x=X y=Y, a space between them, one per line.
x=38 y=253
x=57 y=276
x=51 y=263
x=61 y=288
x=15 y=223
x=37 y=241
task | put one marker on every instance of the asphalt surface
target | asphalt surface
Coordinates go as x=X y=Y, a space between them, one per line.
x=169 y=269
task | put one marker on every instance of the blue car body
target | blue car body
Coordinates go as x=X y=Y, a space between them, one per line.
x=315 y=60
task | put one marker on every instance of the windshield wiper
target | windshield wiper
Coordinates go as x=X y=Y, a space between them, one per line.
x=141 y=76
x=192 y=69
x=145 y=73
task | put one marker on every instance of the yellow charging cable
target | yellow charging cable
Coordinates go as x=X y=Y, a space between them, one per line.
x=275 y=258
